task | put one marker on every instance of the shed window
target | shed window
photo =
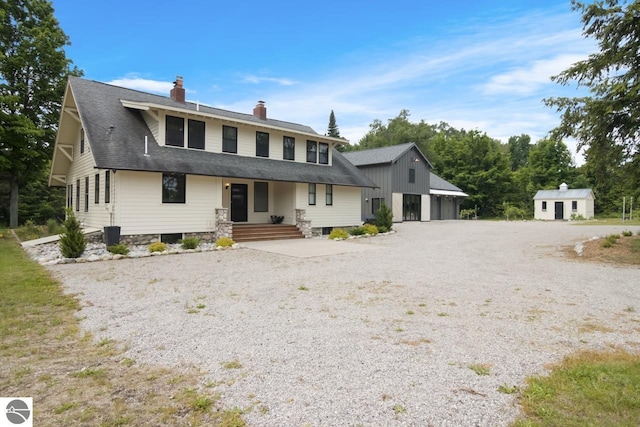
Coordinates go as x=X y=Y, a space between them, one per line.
x=174 y=131
x=544 y=206
x=312 y=194
x=574 y=205
x=173 y=187
x=229 y=139
x=323 y=153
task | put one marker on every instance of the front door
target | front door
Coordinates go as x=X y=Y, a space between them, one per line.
x=559 y=210
x=239 y=202
x=411 y=207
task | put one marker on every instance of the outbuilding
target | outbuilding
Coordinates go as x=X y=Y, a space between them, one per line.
x=563 y=203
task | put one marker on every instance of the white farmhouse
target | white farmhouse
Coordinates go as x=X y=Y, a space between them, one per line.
x=563 y=203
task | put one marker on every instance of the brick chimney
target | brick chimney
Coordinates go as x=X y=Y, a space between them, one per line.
x=260 y=111
x=177 y=93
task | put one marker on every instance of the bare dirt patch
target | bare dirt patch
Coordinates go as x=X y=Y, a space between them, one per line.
x=625 y=251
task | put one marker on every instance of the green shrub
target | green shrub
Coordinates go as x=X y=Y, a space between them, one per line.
x=356 y=231
x=613 y=237
x=627 y=233
x=54 y=227
x=370 y=229
x=119 y=249
x=72 y=243
x=157 y=247
x=577 y=217
x=338 y=233
x=382 y=229
x=384 y=217
x=467 y=213
x=224 y=242
x=606 y=243
x=190 y=243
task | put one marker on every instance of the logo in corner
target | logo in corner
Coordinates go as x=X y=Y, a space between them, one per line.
x=18 y=411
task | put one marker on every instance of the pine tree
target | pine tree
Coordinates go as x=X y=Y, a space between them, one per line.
x=72 y=243
x=333 y=130
x=384 y=218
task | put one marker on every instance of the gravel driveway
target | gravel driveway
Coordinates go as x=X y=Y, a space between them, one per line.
x=382 y=337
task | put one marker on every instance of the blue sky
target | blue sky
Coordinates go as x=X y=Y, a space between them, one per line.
x=481 y=65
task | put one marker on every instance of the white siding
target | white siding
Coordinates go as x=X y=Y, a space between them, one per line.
x=154 y=126
x=284 y=201
x=396 y=206
x=344 y=212
x=139 y=208
x=425 y=208
x=584 y=208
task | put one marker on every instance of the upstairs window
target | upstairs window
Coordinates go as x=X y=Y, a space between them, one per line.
x=412 y=175
x=323 y=153
x=81 y=140
x=312 y=152
x=288 y=148
x=196 y=134
x=229 y=139
x=262 y=144
x=175 y=131
x=329 y=195
x=107 y=187
x=312 y=194
x=173 y=187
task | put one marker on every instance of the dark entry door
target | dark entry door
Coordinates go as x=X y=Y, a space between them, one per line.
x=239 y=202
x=559 y=210
x=411 y=207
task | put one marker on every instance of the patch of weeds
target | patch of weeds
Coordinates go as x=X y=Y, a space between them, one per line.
x=507 y=389
x=128 y=362
x=422 y=305
x=96 y=373
x=399 y=330
x=200 y=306
x=64 y=407
x=22 y=372
x=234 y=364
x=104 y=342
x=399 y=409
x=630 y=309
x=410 y=312
x=263 y=409
x=481 y=369
x=303 y=288
x=627 y=233
x=443 y=314
x=231 y=418
x=590 y=327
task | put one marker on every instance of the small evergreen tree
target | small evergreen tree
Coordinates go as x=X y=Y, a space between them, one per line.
x=384 y=217
x=333 y=130
x=72 y=243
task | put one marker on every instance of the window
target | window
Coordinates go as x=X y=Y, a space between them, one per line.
x=96 y=189
x=175 y=131
x=77 y=195
x=229 y=139
x=107 y=187
x=412 y=175
x=323 y=153
x=170 y=238
x=81 y=140
x=288 y=148
x=196 y=134
x=86 y=194
x=574 y=205
x=376 y=203
x=312 y=194
x=312 y=148
x=260 y=196
x=70 y=196
x=262 y=144
x=544 y=206
x=329 y=197
x=173 y=187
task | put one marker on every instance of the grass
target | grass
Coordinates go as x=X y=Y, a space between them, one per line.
x=76 y=380
x=481 y=369
x=586 y=389
x=609 y=221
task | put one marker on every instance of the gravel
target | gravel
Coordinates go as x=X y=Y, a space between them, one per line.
x=384 y=336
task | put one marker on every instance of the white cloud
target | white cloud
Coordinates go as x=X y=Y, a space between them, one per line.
x=525 y=81
x=145 y=85
x=257 y=80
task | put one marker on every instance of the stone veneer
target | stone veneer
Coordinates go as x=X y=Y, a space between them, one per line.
x=304 y=225
x=224 y=227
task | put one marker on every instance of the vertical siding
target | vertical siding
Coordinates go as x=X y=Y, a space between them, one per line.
x=140 y=209
x=344 y=212
x=400 y=173
x=381 y=175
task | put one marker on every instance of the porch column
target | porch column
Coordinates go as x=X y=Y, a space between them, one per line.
x=224 y=227
x=304 y=225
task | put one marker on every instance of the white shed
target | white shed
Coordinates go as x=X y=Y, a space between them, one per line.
x=563 y=203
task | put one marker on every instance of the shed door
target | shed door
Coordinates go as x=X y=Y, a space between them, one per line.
x=559 y=210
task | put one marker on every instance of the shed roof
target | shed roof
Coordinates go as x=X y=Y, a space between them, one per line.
x=116 y=135
x=376 y=156
x=574 y=193
x=442 y=187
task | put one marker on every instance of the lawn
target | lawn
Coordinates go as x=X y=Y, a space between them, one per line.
x=75 y=380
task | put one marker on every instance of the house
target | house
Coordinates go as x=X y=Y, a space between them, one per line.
x=403 y=175
x=162 y=168
x=446 y=199
x=563 y=203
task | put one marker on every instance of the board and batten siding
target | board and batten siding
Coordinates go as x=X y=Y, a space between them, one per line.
x=139 y=208
x=345 y=211
x=83 y=166
x=381 y=175
x=400 y=174
x=246 y=136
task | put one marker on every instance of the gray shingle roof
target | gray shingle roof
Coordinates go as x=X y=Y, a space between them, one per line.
x=575 y=193
x=376 y=156
x=438 y=183
x=116 y=135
